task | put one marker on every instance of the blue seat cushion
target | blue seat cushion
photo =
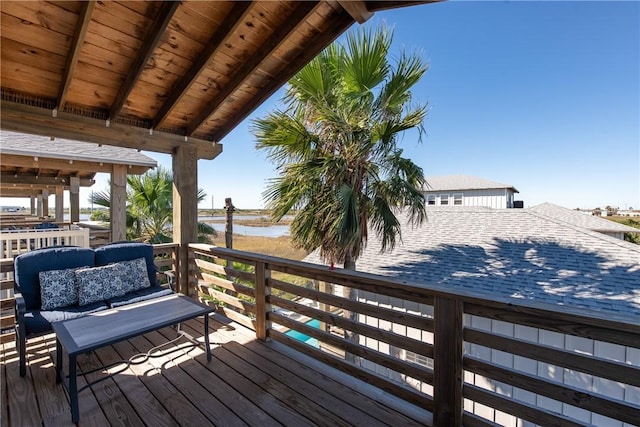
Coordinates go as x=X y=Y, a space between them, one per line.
x=28 y=265
x=127 y=251
x=139 y=295
x=39 y=322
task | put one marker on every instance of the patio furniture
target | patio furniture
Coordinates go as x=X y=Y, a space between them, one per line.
x=66 y=282
x=87 y=333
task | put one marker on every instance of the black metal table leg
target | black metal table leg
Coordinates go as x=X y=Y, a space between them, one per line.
x=206 y=337
x=58 y=361
x=73 y=389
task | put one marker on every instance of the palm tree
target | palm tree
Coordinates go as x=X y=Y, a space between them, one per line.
x=150 y=209
x=336 y=147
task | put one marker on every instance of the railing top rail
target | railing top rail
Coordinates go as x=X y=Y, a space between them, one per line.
x=556 y=312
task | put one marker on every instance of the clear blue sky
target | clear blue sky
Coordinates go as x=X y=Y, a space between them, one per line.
x=544 y=96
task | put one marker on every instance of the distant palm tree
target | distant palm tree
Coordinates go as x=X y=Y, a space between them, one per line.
x=150 y=207
x=336 y=147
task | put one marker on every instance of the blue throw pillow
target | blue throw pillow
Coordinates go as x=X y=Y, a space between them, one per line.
x=134 y=274
x=99 y=283
x=58 y=288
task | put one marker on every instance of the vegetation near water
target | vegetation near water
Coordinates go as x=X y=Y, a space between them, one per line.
x=274 y=246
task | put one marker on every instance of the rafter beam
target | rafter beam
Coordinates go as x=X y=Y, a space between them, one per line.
x=27 y=180
x=39 y=121
x=18 y=192
x=84 y=18
x=62 y=165
x=292 y=22
x=357 y=9
x=320 y=41
x=165 y=14
x=231 y=22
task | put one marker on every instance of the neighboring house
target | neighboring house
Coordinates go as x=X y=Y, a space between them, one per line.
x=629 y=212
x=467 y=190
x=590 y=222
x=524 y=254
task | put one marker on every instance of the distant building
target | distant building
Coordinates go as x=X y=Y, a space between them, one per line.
x=11 y=209
x=467 y=190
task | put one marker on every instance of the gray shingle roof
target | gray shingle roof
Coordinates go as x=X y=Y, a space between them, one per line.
x=591 y=222
x=512 y=253
x=462 y=182
x=36 y=145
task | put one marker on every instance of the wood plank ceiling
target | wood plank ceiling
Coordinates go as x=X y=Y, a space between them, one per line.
x=155 y=75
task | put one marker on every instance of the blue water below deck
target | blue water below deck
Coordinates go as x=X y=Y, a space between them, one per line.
x=314 y=323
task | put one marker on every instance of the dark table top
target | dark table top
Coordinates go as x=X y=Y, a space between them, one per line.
x=110 y=326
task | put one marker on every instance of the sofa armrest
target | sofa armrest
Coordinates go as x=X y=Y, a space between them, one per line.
x=21 y=309
x=171 y=279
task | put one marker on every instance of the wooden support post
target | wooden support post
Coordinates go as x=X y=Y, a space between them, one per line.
x=228 y=231
x=33 y=205
x=40 y=212
x=45 y=203
x=447 y=360
x=185 y=210
x=262 y=308
x=59 y=215
x=326 y=288
x=74 y=198
x=118 y=222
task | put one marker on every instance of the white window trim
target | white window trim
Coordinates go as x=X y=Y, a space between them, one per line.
x=431 y=197
x=418 y=359
x=447 y=198
x=461 y=199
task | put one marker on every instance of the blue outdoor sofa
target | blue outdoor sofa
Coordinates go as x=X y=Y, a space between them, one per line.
x=63 y=282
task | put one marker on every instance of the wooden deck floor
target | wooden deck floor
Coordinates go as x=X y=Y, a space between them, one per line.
x=247 y=382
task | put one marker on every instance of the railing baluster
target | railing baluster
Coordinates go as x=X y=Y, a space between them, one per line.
x=447 y=355
x=262 y=274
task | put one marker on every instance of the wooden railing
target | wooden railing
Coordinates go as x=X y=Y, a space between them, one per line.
x=15 y=242
x=435 y=347
x=165 y=257
x=7 y=304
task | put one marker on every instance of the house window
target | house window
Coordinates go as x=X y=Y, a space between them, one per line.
x=418 y=359
x=457 y=199
x=444 y=199
x=431 y=199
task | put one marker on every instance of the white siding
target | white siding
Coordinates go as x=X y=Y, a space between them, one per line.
x=493 y=198
x=544 y=370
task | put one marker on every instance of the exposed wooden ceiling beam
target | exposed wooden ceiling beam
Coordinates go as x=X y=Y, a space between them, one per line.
x=62 y=165
x=84 y=18
x=377 y=5
x=357 y=9
x=231 y=21
x=165 y=14
x=337 y=27
x=272 y=43
x=39 y=121
x=9 y=180
x=19 y=192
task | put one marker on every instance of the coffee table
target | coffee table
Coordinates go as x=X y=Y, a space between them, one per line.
x=107 y=327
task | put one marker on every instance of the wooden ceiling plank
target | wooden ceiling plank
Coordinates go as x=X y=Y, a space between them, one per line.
x=337 y=26
x=272 y=43
x=84 y=18
x=357 y=9
x=232 y=21
x=39 y=121
x=165 y=14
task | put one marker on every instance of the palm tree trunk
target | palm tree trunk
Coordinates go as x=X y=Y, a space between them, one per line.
x=351 y=294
